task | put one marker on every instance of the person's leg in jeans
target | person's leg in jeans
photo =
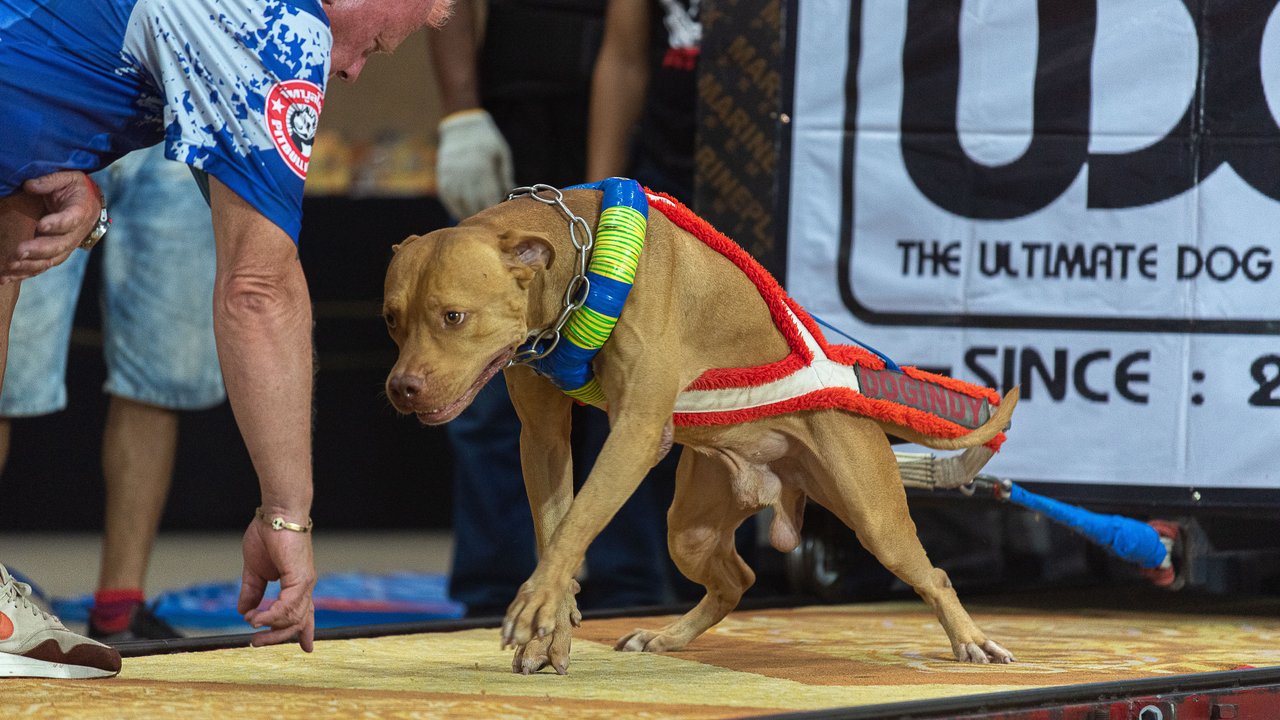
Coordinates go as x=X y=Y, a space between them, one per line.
x=494 y=546
x=157 y=307
x=494 y=549
x=39 y=338
x=627 y=564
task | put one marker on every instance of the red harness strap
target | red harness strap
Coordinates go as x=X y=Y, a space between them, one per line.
x=816 y=374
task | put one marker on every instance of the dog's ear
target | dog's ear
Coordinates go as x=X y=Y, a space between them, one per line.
x=526 y=253
x=396 y=248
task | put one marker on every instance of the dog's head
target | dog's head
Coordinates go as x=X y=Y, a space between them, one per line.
x=456 y=303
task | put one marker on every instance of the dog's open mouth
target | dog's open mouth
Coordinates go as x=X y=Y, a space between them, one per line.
x=441 y=415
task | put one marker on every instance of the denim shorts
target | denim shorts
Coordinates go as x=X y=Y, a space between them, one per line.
x=157 y=299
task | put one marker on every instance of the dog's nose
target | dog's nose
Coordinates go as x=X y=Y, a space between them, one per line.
x=405 y=387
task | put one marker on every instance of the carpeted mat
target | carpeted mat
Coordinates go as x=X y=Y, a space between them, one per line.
x=753 y=663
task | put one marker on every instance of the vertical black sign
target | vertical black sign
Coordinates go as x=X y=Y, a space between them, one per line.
x=739 y=96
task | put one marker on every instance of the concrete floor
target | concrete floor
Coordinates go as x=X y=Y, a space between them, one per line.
x=66 y=564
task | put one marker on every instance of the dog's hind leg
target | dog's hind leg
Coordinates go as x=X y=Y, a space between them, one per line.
x=700 y=536
x=858 y=480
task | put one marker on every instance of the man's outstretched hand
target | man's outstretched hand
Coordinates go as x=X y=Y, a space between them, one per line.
x=285 y=556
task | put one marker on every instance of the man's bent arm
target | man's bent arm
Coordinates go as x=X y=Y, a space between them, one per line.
x=618 y=86
x=453 y=58
x=262 y=323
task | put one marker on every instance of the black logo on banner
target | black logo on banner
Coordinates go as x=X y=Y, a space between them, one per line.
x=1227 y=121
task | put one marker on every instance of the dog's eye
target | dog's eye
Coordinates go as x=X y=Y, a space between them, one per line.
x=453 y=317
x=390 y=319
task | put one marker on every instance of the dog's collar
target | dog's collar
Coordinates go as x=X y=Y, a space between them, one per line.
x=620 y=231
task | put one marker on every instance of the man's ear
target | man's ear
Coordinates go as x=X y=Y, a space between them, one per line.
x=526 y=253
x=396 y=248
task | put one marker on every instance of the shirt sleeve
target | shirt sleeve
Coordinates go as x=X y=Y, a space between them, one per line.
x=242 y=85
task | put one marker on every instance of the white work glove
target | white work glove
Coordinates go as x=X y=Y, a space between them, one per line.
x=473 y=164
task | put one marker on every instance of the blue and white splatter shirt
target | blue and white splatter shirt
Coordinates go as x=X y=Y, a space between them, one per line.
x=232 y=87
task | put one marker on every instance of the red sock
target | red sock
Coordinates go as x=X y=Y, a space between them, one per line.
x=112 y=608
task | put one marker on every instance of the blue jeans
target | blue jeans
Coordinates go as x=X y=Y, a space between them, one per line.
x=494 y=549
x=157 y=299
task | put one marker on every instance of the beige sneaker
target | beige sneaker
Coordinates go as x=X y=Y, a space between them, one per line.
x=34 y=643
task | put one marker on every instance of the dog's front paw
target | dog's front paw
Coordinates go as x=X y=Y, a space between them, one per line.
x=988 y=652
x=539 y=625
x=538 y=653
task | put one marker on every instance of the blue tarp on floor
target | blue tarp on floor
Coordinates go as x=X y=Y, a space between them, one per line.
x=340 y=599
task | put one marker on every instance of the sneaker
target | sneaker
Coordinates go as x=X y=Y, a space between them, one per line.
x=143 y=625
x=34 y=643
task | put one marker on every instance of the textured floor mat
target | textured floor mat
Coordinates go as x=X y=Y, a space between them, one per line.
x=753 y=663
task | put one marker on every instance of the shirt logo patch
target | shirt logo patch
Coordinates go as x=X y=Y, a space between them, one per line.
x=293 y=112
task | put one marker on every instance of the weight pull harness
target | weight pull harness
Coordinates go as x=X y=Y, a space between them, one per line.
x=814 y=375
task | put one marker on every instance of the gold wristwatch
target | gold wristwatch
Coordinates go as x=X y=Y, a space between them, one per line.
x=104 y=219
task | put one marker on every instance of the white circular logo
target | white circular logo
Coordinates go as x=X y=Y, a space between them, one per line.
x=293 y=113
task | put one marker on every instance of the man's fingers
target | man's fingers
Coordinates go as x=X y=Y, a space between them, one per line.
x=45 y=248
x=46 y=184
x=71 y=206
x=24 y=269
x=275 y=637
x=269 y=617
x=285 y=627
x=38 y=254
x=55 y=246
x=62 y=222
x=291 y=608
x=252 y=588
x=308 y=639
x=47 y=257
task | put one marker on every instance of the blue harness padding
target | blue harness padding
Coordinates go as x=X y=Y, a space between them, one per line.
x=620 y=234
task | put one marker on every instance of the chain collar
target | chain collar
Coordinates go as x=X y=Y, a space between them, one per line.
x=540 y=343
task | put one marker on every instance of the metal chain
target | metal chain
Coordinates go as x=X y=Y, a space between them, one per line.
x=540 y=343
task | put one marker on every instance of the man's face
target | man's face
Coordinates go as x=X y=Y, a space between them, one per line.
x=364 y=27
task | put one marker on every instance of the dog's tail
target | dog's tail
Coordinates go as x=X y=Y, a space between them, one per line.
x=984 y=433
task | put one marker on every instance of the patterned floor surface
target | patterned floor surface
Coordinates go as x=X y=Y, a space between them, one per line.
x=753 y=663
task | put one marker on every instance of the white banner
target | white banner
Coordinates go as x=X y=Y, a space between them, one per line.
x=1079 y=198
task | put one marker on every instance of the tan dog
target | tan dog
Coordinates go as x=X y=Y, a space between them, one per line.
x=458 y=302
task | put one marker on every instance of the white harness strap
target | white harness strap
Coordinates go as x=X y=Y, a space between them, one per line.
x=822 y=372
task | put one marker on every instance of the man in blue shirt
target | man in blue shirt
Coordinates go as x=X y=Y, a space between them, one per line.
x=233 y=88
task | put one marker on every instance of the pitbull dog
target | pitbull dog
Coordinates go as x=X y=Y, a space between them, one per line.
x=461 y=300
